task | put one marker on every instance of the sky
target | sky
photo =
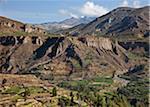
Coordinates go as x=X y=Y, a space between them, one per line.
x=40 y=11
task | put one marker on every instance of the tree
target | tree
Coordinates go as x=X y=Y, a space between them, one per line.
x=72 y=99
x=25 y=93
x=78 y=96
x=98 y=101
x=3 y=82
x=61 y=102
x=54 y=92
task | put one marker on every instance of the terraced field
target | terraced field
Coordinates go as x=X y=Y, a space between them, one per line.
x=31 y=91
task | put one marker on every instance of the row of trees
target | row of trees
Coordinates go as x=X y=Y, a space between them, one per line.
x=95 y=100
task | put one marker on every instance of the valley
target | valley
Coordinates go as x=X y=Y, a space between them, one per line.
x=99 y=64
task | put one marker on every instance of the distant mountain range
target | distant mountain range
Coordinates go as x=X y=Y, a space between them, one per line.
x=65 y=24
x=120 y=21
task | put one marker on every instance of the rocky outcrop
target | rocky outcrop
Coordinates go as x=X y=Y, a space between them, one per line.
x=61 y=55
x=37 y=40
x=17 y=26
x=30 y=28
x=13 y=40
x=101 y=43
x=139 y=47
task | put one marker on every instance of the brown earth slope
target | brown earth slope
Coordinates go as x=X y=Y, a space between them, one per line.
x=118 y=22
x=9 y=26
x=61 y=55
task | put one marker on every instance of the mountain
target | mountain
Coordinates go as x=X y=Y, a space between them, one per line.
x=120 y=21
x=65 y=24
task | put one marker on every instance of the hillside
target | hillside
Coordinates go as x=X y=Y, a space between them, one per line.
x=9 y=26
x=119 y=22
x=70 y=54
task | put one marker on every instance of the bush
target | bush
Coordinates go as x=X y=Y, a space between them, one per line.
x=54 y=92
x=136 y=91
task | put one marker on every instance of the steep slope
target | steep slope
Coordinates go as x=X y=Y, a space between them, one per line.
x=61 y=55
x=120 y=21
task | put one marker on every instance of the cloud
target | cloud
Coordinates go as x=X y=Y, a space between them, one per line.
x=87 y=9
x=63 y=12
x=91 y=9
x=136 y=3
x=125 y=3
x=68 y=13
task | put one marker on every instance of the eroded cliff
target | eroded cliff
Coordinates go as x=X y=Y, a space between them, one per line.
x=61 y=55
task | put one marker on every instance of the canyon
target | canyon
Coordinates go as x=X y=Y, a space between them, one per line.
x=102 y=63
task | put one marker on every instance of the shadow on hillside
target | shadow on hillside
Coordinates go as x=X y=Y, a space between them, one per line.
x=41 y=51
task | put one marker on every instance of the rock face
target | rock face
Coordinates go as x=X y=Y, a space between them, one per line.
x=138 y=47
x=15 y=50
x=100 y=43
x=4 y=22
x=61 y=55
x=12 y=26
x=29 y=29
x=13 y=40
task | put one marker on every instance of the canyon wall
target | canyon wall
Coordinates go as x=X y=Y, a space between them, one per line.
x=65 y=54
